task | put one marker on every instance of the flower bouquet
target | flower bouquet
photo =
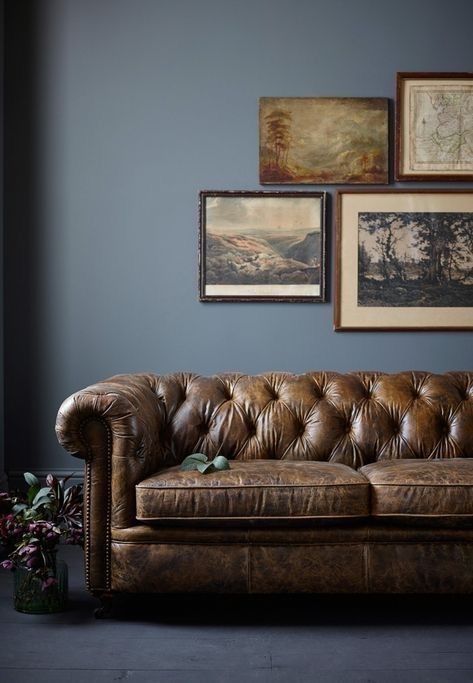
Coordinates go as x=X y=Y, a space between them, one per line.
x=31 y=527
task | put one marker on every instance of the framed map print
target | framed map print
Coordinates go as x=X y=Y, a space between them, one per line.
x=434 y=126
x=262 y=246
x=404 y=260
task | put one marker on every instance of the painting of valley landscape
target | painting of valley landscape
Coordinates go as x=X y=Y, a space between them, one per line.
x=415 y=259
x=262 y=246
x=323 y=140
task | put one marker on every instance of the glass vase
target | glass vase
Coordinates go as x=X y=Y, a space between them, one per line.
x=29 y=596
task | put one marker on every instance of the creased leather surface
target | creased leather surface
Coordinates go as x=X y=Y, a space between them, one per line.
x=353 y=532
x=421 y=568
x=236 y=568
x=352 y=418
x=147 y=422
x=133 y=416
x=261 y=488
x=319 y=568
x=145 y=533
x=416 y=487
x=179 y=568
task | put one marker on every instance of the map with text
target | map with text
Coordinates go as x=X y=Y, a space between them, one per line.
x=441 y=124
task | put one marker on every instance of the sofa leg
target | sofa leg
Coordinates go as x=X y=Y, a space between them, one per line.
x=106 y=605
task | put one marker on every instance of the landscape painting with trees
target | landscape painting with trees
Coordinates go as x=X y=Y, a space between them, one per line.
x=262 y=245
x=422 y=259
x=323 y=140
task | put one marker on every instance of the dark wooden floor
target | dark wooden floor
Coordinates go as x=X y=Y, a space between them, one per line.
x=235 y=640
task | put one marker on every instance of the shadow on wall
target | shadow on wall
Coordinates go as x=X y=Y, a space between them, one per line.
x=22 y=225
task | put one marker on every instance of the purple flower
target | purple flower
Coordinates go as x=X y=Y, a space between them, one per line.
x=28 y=550
x=29 y=540
x=51 y=481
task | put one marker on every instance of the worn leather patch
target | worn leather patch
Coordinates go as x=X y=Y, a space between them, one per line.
x=256 y=489
x=427 y=488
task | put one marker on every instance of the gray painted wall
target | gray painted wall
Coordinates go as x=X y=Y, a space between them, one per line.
x=118 y=113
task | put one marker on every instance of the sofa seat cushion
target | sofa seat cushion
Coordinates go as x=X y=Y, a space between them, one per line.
x=256 y=489
x=421 y=488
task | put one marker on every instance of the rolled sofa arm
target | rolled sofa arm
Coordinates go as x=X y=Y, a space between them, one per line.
x=115 y=426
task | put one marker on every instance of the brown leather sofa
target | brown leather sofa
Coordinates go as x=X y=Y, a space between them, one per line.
x=339 y=483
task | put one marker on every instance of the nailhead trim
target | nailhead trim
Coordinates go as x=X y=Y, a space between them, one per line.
x=88 y=487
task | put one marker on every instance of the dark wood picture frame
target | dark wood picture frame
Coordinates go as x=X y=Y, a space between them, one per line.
x=429 y=131
x=415 y=221
x=262 y=246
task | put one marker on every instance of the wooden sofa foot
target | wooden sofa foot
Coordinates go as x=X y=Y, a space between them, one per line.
x=104 y=611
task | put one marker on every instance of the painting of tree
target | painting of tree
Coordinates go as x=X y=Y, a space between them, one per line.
x=278 y=124
x=323 y=140
x=415 y=259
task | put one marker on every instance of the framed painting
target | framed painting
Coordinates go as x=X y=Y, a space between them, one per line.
x=323 y=140
x=434 y=126
x=404 y=260
x=262 y=246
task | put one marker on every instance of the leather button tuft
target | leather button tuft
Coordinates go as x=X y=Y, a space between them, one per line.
x=227 y=394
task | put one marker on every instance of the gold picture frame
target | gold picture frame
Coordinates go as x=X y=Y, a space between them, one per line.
x=404 y=260
x=434 y=126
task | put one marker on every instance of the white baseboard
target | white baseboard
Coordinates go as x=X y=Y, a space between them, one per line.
x=16 y=479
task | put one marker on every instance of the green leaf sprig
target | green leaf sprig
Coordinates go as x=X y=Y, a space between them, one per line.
x=200 y=462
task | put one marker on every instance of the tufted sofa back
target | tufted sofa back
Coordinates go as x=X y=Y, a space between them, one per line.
x=353 y=418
